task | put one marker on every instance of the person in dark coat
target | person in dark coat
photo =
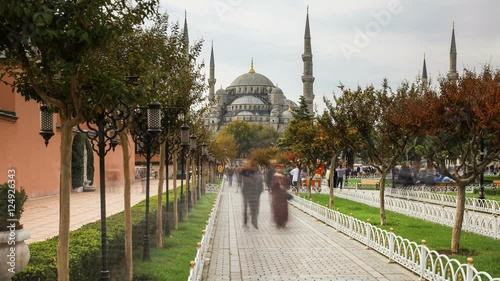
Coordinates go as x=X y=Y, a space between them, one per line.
x=279 y=188
x=251 y=188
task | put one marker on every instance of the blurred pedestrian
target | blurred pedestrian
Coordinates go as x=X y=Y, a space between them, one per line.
x=279 y=186
x=251 y=188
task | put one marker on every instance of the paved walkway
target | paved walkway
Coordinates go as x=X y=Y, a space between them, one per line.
x=41 y=215
x=305 y=250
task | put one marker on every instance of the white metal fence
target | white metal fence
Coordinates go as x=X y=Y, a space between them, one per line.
x=472 y=204
x=197 y=264
x=429 y=265
x=475 y=222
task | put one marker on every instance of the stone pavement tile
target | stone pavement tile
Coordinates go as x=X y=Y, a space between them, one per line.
x=305 y=250
x=41 y=215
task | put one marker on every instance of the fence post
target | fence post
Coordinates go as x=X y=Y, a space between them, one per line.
x=351 y=225
x=423 y=259
x=391 y=244
x=368 y=226
x=470 y=272
x=337 y=220
x=495 y=224
x=466 y=220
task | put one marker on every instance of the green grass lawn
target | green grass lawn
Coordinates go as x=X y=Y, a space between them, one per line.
x=485 y=251
x=172 y=261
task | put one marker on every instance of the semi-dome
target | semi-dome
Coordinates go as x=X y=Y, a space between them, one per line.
x=246 y=113
x=287 y=114
x=276 y=91
x=247 y=100
x=221 y=92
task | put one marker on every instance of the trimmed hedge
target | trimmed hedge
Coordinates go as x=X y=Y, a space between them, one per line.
x=85 y=247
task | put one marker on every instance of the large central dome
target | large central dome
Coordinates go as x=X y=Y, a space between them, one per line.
x=252 y=79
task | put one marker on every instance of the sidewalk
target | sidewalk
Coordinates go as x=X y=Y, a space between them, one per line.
x=305 y=250
x=41 y=216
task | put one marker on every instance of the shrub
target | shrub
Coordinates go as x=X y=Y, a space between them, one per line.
x=11 y=197
x=85 y=247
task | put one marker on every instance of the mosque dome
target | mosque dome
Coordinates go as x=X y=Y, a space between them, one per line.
x=246 y=113
x=287 y=114
x=247 y=100
x=220 y=92
x=276 y=91
x=251 y=78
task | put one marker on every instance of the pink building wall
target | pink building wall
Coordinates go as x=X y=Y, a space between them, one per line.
x=38 y=167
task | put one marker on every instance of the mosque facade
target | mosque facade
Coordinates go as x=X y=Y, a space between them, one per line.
x=254 y=98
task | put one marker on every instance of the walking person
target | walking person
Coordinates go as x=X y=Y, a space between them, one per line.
x=340 y=176
x=229 y=173
x=279 y=188
x=295 y=172
x=237 y=171
x=251 y=188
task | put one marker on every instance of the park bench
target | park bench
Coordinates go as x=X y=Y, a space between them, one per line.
x=370 y=182
x=496 y=183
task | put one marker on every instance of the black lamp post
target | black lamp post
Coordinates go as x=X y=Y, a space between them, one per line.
x=146 y=139
x=184 y=145
x=169 y=113
x=204 y=153
x=46 y=123
x=192 y=150
x=103 y=130
x=212 y=168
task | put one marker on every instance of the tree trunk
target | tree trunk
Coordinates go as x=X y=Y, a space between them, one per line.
x=64 y=201
x=176 y=191
x=159 y=208
x=194 y=183
x=459 y=219
x=383 y=220
x=129 y=268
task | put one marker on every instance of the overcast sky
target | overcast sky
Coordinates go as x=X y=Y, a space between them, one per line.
x=356 y=42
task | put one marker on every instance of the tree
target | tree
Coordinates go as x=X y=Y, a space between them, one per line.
x=460 y=121
x=48 y=47
x=375 y=114
x=338 y=134
x=249 y=136
x=302 y=137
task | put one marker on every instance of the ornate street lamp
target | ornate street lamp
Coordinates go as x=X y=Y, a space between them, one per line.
x=103 y=128
x=184 y=146
x=145 y=130
x=211 y=170
x=46 y=123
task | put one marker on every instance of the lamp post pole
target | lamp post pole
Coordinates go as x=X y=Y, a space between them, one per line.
x=192 y=150
x=145 y=136
x=204 y=154
x=103 y=130
x=184 y=145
